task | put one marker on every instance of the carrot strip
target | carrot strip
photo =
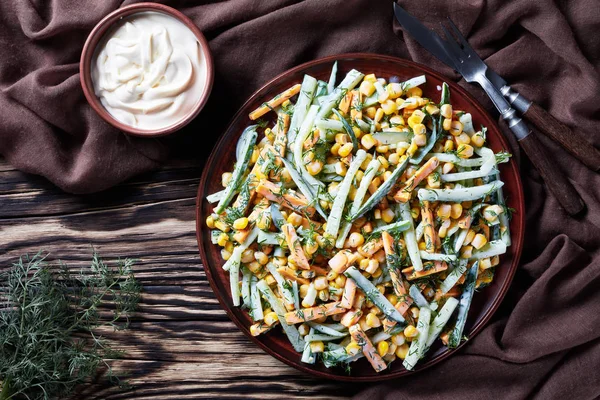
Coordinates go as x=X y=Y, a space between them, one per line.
x=349 y=294
x=429 y=231
x=290 y=199
x=312 y=313
x=359 y=336
x=368 y=249
x=275 y=102
x=290 y=274
x=351 y=317
x=438 y=266
x=342 y=260
x=295 y=246
x=404 y=193
x=345 y=102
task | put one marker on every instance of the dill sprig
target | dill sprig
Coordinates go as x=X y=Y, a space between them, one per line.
x=48 y=321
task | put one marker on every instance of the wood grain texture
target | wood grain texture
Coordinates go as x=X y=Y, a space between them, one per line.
x=181 y=344
x=572 y=140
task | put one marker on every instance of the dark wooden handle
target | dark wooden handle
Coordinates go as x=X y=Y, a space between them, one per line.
x=555 y=180
x=572 y=140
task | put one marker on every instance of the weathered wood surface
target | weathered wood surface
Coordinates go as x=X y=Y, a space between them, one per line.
x=181 y=345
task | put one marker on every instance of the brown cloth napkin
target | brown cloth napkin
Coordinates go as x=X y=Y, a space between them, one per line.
x=544 y=342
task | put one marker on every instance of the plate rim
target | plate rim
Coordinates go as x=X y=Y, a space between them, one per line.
x=517 y=239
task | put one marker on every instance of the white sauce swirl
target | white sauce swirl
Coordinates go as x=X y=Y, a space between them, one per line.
x=149 y=72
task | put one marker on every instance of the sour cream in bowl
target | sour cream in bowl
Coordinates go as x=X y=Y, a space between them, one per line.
x=146 y=69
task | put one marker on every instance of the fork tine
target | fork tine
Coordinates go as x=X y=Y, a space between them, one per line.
x=455 y=50
x=459 y=35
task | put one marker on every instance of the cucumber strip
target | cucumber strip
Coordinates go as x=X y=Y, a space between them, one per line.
x=454 y=276
x=348 y=83
x=374 y=295
x=458 y=195
x=467 y=121
x=380 y=337
x=307 y=356
x=305 y=130
x=392 y=137
x=303 y=186
x=361 y=192
x=277 y=306
x=214 y=236
x=348 y=130
x=379 y=87
x=256 y=310
x=437 y=256
x=418 y=297
x=246 y=287
x=296 y=295
x=285 y=287
x=307 y=91
x=335 y=217
x=371 y=100
x=268 y=238
x=276 y=216
x=321 y=90
x=278 y=252
x=451 y=158
x=234 y=282
x=395 y=227
x=248 y=140
x=329 y=124
x=239 y=151
x=236 y=254
x=326 y=330
x=503 y=218
x=463 y=306
x=491 y=249
x=417 y=347
x=413 y=82
x=382 y=190
x=332 y=77
x=315 y=337
x=419 y=230
x=215 y=197
x=335 y=357
x=332 y=178
x=461 y=176
x=440 y=320
x=335 y=326
x=410 y=237
x=362 y=125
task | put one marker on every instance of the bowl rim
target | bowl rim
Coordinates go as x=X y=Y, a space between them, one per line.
x=517 y=237
x=96 y=35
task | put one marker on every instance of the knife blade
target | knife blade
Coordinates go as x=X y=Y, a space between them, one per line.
x=434 y=44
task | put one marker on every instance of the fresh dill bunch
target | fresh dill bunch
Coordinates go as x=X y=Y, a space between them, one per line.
x=48 y=315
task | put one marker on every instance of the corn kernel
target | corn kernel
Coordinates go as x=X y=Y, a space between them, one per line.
x=485 y=264
x=466 y=252
x=392 y=298
x=469 y=238
x=393 y=159
x=446 y=111
x=448 y=145
x=356 y=239
x=370 y=112
x=402 y=351
x=410 y=331
x=372 y=266
x=398 y=339
x=456 y=211
x=225 y=255
x=396 y=120
x=419 y=129
x=382 y=348
x=463 y=138
x=414 y=311
x=345 y=150
x=420 y=140
x=490 y=213
x=412 y=148
x=210 y=222
x=389 y=107
x=495 y=260
x=414 y=212
x=416 y=118
x=353 y=348
x=464 y=151
x=372 y=321
x=368 y=141
x=321 y=283
x=444 y=211
x=240 y=223
x=478 y=139
x=479 y=241
x=447 y=168
x=432 y=109
x=271 y=318
x=447 y=124
x=294 y=219
x=314 y=167
x=456 y=128
x=225 y=178
x=388 y=215
x=270 y=279
x=415 y=91
x=222 y=239
x=222 y=226
x=317 y=347
x=433 y=180
x=335 y=148
x=377 y=214
x=367 y=88
x=340 y=168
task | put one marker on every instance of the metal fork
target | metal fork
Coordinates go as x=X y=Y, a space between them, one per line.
x=473 y=69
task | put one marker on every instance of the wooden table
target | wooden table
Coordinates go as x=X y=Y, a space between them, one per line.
x=181 y=345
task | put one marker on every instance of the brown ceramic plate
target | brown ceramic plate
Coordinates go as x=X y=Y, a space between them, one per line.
x=222 y=158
